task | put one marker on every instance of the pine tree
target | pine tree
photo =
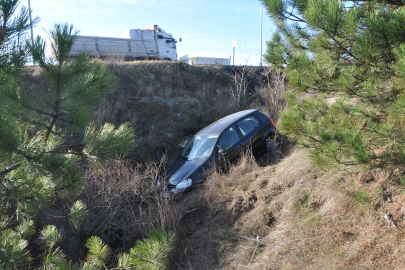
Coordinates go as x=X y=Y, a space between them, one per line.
x=150 y=254
x=38 y=155
x=345 y=62
x=13 y=26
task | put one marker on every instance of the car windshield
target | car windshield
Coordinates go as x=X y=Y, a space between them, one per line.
x=199 y=146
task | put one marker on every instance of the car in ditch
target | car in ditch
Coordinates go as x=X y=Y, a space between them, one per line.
x=218 y=144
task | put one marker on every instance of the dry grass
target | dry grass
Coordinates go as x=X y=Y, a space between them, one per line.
x=306 y=218
x=124 y=203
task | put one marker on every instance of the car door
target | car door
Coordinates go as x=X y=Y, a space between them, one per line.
x=230 y=142
x=260 y=138
x=249 y=126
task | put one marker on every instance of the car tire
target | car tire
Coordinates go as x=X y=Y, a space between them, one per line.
x=271 y=144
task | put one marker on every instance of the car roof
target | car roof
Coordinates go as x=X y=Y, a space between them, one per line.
x=220 y=125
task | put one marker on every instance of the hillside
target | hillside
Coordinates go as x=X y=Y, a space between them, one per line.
x=305 y=218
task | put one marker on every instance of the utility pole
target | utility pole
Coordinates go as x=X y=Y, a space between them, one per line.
x=233 y=59
x=261 y=39
x=32 y=33
x=233 y=45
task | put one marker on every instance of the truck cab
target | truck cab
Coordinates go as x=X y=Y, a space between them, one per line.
x=167 y=46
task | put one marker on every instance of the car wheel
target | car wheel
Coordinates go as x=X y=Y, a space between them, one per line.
x=271 y=144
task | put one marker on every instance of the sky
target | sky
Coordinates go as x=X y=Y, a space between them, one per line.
x=207 y=27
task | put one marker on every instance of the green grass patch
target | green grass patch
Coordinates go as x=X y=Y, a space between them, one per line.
x=361 y=198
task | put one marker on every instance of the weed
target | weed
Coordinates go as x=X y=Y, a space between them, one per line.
x=361 y=198
x=400 y=181
x=311 y=219
x=378 y=192
x=302 y=200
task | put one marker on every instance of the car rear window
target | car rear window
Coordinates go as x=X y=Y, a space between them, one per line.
x=248 y=124
x=256 y=121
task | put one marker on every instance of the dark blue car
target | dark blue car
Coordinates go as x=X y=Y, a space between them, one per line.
x=217 y=145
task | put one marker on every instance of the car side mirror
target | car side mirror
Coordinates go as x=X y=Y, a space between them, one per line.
x=221 y=152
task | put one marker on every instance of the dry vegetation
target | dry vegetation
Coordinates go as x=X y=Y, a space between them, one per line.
x=305 y=218
x=166 y=102
x=308 y=219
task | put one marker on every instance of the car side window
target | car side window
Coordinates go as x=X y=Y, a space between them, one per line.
x=229 y=138
x=256 y=121
x=246 y=125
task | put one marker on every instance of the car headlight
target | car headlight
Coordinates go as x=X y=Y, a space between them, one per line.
x=184 y=184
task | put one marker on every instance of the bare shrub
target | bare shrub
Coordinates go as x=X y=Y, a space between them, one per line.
x=270 y=93
x=125 y=203
x=241 y=78
x=222 y=104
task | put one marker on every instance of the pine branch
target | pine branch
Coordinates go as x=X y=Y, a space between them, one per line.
x=70 y=146
x=391 y=2
x=6 y=171
x=36 y=110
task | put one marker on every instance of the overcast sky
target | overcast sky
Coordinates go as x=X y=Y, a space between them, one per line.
x=207 y=27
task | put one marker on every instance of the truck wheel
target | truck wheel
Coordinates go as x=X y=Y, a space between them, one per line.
x=167 y=59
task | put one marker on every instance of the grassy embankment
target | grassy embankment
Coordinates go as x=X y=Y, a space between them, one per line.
x=305 y=218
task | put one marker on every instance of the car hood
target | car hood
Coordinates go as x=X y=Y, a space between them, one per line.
x=181 y=169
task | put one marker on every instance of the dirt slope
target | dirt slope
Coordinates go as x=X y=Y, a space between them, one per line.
x=305 y=219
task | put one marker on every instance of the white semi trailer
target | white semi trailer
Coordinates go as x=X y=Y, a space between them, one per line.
x=201 y=60
x=149 y=43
